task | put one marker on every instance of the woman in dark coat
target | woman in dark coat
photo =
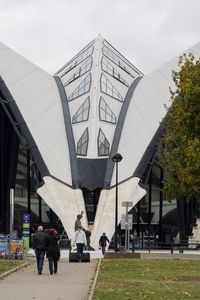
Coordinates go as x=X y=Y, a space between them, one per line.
x=53 y=251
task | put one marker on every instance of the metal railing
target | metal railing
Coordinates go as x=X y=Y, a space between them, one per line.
x=172 y=245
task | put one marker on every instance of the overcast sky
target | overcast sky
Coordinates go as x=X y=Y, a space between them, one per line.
x=147 y=32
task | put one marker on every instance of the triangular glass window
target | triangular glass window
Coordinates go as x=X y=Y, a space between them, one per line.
x=82 y=113
x=103 y=144
x=83 y=88
x=108 y=68
x=109 y=89
x=112 y=51
x=86 y=52
x=82 y=144
x=105 y=113
x=84 y=68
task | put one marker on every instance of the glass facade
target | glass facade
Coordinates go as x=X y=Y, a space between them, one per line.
x=79 y=58
x=82 y=113
x=83 y=88
x=82 y=144
x=108 y=68
x=84 y=68
x=114 y=55
x=103 y=144
x=158 y=220
x=109 y=89
x=91 y=202
x=26 y=199
x=105 y=113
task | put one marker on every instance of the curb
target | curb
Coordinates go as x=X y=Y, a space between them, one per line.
x=5 y=274
x=94 y=281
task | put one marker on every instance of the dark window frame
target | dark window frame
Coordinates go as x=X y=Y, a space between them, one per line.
x=101 y=131
x=87 y=141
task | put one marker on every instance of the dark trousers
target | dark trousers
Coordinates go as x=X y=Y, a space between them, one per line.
x=103 y=248
x=79 y=250
x=40 y=259
x=53 y=264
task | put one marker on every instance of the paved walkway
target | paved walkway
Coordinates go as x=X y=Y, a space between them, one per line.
x=72 y=282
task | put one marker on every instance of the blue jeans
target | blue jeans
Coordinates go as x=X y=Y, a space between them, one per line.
x=79 y=250
x=40 y=259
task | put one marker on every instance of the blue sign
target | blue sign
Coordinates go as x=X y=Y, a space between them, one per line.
x=26 y=230
x=26 y=218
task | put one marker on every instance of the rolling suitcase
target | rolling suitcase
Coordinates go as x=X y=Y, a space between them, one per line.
x=85 y=257
x=73 y=257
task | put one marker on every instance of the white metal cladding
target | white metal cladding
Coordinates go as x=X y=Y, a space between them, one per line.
x=100 y=60
x=145 y=113
x=38 y=100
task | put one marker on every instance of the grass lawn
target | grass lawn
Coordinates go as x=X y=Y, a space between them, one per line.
x=132 y=279
x=6 y=265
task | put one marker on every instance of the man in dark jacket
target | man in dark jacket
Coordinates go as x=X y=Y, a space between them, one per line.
x=102 y=242
x=39 y=244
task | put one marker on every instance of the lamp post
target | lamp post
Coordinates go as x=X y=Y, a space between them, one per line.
x=116 y=158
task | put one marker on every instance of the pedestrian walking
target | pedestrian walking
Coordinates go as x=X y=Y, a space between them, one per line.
x=103 y=242
x=39 y=244
x=80 y=241
x=53 y=251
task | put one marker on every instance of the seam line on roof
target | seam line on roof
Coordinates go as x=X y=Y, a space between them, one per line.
x=118 y=131
x=69 y=133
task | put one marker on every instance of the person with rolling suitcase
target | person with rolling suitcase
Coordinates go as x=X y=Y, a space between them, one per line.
x=80 y=241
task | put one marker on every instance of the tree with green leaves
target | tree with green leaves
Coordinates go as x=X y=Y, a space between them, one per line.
x=179 y=149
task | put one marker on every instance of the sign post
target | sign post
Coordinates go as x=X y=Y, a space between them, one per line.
x=126 y=223
x=11 y=211
x=26 y=231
